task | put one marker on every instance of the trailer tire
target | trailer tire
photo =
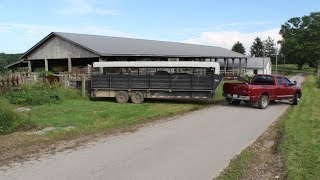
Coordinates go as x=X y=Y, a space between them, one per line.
x=122 y=97
x=263 y=102
x=137 y=97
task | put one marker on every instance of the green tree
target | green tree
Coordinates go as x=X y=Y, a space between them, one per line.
x=301 y=40
x=238 y=47
x=257 y=48
x=270 y=46
x=6 y=59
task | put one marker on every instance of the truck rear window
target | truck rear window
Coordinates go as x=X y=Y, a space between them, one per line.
x=263 y=80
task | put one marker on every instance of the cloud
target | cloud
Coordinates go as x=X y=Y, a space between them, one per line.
x=85 y=7
x=228 y=26
x=227 y=39
x=30 y=34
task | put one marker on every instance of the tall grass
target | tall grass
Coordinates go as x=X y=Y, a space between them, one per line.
x=301 y=141
x=9 y=119
x=38 y=94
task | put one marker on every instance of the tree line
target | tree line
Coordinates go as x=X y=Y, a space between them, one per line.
x=6 y=59
x=300 y=42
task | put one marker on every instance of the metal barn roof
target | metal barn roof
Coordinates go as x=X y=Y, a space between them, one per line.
x=118 y=46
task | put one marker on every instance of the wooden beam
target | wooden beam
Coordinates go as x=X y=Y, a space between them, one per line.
x=225 y=66
x=69 y=64
x=29 y=66
x=232 y=66
x=246 y=65
x=240 y=66
x=46 y=66
x=101 y=69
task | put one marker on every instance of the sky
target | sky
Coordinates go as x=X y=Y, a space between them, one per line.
x=207 y=22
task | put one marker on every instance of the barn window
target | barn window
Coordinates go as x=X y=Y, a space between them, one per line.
x=255 y=71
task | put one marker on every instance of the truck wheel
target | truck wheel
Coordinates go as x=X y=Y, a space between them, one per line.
x=229 y=100
x=137 y=97
x=263 y=102
x=295 y=99
x=236 y=102
x=233 y=101
x=122 y=97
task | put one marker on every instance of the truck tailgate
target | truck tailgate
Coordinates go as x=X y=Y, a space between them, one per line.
x=236 y=88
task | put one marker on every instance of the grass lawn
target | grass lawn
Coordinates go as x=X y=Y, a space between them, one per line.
x=301 y=141
x=88 y=117
x=292 y=69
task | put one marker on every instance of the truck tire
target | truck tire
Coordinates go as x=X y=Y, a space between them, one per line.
x=236 y=102
x=296 y=99
x=122 y=97
x=229 y=100
x=137 y=97
x=263 y=102
x=233 y=101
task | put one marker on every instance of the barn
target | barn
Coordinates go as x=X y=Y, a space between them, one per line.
x=60 y=51
x=254 y=65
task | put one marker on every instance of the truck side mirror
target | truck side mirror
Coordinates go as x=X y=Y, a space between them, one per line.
x=295 y=83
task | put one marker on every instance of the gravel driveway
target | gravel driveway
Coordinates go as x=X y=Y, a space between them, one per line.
x=198 y=145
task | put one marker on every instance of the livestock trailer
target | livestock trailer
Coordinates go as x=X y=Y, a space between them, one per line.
x=137 y=80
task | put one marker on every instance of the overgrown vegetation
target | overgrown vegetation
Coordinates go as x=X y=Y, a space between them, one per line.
x=9 y=119
x=40 y=93
x=301 y=141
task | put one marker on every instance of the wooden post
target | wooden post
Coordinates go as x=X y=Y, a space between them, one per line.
x=225 y=66
x=46 y=66
x=69 y=65
x=83 y=84
x=29 y=66
x=100 y=69
x=246 y=65
x=240 y=68
x=232 y=66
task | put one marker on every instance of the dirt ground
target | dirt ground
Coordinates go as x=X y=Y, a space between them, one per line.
x=267 y=162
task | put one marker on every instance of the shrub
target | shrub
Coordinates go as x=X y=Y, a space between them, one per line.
x=318 y=81
x=8 y=117
x=38 y=94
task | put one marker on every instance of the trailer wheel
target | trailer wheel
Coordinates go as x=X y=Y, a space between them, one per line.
x=122 y=97
x=137 y=97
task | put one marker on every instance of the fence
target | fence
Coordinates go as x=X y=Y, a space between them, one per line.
x=16 y=79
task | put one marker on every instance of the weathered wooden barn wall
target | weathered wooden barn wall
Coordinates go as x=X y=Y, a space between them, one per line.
x=58 y=48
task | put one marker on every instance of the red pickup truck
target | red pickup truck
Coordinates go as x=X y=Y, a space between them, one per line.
x=261 y=90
